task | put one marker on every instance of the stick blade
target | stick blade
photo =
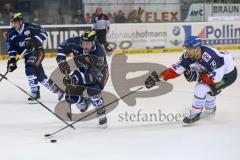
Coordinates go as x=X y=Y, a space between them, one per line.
x=47 y=135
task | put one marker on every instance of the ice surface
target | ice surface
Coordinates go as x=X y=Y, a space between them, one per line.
x=22 y=126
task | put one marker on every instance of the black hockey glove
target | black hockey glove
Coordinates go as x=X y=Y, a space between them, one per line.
x=64 y=67
x=70 y=80
x=28 y=43
x=192 y=76
x=152 y=79
x=11 y=64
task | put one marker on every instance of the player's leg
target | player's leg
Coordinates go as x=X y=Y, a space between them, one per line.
x=33 y=82
x=210 y=106
x=98 y=102
x=75 y=96
x=205 y=96
x=228 y=79
x=48 y=83
x=199 y=102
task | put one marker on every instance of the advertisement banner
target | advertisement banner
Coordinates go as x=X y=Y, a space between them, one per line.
x=172 y=35
x=192 y=12
x=224 y=9
x=149 y=12
x=144 y=36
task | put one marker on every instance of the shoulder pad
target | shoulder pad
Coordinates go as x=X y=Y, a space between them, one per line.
x=11 y=34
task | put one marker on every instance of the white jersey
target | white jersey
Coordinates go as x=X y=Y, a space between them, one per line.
x=215 y=63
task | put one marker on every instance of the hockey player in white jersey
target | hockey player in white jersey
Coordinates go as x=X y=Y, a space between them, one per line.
x=213 y=71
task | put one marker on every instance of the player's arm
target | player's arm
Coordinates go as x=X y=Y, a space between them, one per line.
x=90 y=70
x=37 y=33
x=12 y=51
x=35 y=36
x=172 y=72
x=62 y=52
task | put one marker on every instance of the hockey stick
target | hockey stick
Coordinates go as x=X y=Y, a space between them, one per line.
x=4 y=75
x=70 y=108
x=69 y=125
x=22 y=54
x=49 y=135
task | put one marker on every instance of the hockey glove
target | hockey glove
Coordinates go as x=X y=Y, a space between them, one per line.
x=28 y=43
x=64 y=67
x=192 y=76
x=11 y=64
x=70 y=80
x=152 y=79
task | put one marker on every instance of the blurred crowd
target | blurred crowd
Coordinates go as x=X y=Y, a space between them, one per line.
x=78 y=17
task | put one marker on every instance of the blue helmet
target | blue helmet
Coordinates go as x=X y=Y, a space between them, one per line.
x=192 y=41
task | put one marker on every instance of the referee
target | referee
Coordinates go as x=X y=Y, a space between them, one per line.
x=101 y=25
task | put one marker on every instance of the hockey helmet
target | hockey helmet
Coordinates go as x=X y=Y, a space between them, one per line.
x=88 y=36
x=193 y=47
x=192 y=42
x=16 y=17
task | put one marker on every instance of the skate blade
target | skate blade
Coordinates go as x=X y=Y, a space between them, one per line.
x=103 y=126
x=187 y=124
x=32 y=102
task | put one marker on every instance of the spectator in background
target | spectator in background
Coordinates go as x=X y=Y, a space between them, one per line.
x=110 y=17
x=120 y=18
x=7 y=8
x=36 y=18
x=78 y=18
x=3 y=20
x=135 y=15
x=88 y=18
x=5 y=14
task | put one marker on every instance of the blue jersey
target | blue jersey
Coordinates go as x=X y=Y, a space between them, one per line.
x=100 y=66
x=213 y=62
x=16 y=39
x=73 y=45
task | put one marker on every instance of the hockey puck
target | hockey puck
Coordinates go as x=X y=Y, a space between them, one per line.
x=53 y=140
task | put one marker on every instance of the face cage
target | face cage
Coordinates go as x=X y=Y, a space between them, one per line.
x=93 y=46
x=12 y=23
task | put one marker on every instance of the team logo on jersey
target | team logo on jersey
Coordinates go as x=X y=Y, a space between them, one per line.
x=21 y=44
x=213 y=65
x=206 y=57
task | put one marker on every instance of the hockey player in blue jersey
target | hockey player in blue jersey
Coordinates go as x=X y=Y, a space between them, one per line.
x=26 y=36
x=213 y=71
x=91 y=73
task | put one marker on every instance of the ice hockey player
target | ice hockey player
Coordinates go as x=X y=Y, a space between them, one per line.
x=30 y=37
x=101 y=25
x=90 y=75
x=213 y=71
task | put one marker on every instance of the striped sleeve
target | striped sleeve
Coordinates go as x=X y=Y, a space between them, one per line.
x=12 y=51
x=63 y=50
